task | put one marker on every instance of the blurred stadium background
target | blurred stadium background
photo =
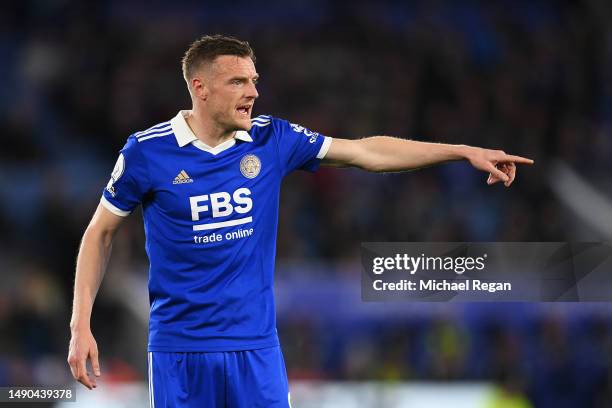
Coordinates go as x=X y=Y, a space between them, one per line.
x=531 y=77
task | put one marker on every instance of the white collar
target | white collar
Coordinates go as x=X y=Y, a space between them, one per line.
x=184 y=135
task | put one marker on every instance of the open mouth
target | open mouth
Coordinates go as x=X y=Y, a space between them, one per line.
x=244 y=109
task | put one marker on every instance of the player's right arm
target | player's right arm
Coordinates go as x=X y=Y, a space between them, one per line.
x=124 y=192
x=92 y=260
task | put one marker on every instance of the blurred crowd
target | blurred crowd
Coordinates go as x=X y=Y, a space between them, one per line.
x=547 y=358
x=530 y=77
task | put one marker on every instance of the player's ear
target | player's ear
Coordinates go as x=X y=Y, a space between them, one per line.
x=199 y=88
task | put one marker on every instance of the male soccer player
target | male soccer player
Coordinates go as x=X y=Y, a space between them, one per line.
x=208 y=181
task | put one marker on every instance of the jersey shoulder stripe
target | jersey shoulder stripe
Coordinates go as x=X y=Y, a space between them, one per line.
x=262 y=119
x=154 y=132
x=159 y=130
x=159 y=126
x=165 y=132
x=256 y=124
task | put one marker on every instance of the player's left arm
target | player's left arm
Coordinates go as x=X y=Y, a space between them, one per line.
x=388 y=154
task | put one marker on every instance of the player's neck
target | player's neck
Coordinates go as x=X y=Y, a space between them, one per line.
x=207 y=131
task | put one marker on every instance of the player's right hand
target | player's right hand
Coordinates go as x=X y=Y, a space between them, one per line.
x=83 y=346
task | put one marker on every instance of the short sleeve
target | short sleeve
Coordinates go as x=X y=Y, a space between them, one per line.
x=299 y=148
x=129 y=181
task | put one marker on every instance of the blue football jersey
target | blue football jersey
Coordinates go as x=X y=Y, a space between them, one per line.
x=210 y=220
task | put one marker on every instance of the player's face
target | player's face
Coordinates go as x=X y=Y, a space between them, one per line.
x=231 y=91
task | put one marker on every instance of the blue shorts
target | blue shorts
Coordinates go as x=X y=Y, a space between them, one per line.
x=233 y=379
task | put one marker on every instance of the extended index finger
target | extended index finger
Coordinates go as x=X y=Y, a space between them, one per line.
x=517 y=159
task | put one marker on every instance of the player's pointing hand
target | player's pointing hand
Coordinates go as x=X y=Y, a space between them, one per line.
x=501 y=166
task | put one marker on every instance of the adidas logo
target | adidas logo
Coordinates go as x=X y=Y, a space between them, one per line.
x=182 y=178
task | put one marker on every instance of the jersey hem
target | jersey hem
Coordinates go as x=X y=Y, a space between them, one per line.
x=204 y=349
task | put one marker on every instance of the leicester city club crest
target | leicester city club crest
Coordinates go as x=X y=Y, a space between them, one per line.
x=250 y=166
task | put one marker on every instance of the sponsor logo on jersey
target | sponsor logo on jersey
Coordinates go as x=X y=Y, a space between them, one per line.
x=182 y=178
x=116 y=174
x=221 y=204
x=250 y=165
